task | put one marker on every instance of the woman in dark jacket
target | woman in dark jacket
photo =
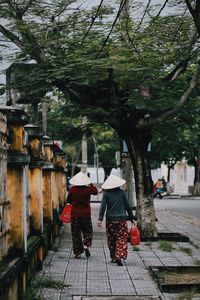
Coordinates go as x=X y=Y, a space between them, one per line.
x=81 y=224
x=118 y=211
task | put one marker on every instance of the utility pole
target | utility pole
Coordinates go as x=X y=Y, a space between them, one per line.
x=44 y=115
x=97 y=162
x=84 y=147
x=127 y=171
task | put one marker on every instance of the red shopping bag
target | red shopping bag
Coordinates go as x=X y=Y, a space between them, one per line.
x=134 y=236
x=65 y=216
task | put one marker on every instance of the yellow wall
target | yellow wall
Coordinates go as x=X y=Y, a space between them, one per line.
x=64 y=185
x=36 y=147
x=35 y=187
x=15 y=209
x=17 y=134
x=47 y=153
x=47 y=197
x=55 y=195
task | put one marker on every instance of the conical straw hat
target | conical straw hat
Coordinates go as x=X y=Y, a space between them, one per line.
x=112 y=182
x=80 y=179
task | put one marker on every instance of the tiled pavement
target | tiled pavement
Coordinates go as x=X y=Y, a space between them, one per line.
x=95 y=278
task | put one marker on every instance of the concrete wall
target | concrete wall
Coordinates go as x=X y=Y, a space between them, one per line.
x=181 y=177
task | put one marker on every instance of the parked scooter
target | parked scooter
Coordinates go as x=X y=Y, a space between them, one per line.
x=159 y=188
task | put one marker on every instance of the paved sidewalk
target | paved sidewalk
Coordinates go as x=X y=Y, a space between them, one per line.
x=95 y=278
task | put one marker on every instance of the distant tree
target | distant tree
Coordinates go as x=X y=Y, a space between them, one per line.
x=167 y=146
x=178 y=138
x=64 y=123
x=190 y=138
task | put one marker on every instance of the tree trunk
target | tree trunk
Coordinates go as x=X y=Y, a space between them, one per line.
x=128 y=176
x=137 y=145
x=168 y=179
x=196 y=188
x=107 y=170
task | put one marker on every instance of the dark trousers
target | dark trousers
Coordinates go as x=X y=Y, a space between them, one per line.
x=81 y=229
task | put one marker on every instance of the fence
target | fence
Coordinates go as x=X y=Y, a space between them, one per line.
x=32 y=194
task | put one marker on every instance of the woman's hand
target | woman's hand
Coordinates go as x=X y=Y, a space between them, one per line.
x=99 y=223
x=133 y=223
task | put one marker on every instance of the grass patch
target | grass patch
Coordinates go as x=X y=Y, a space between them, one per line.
x=32 y=294
x=188 y=295
x=149 y=243
x=48 y=282
x=31 y=241
x=56 y=245
x=193 y=244
x=136 y=249
x=165 y=246
x=186 y=250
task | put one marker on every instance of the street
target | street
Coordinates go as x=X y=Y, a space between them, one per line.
x=190 y=207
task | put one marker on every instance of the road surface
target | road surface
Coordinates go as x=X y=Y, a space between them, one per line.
x=190 y=206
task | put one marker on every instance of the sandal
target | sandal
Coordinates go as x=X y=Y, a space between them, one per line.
x=87 y=252
x=119 y=263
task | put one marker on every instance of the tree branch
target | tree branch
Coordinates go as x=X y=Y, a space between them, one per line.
x=181 y=102
x=26 y=7
x=34 y=49
x=92 y=22
x=180 y=25
x=62 y=9
x=158 y=14
x=189 y=7
x=197 y=7
x=182 y=65
x=123 y=2
x=128 y=35
x=195 y=12
x=11 y=37
x=146 y=9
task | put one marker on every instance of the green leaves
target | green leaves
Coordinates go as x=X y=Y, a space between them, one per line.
x=64 y=39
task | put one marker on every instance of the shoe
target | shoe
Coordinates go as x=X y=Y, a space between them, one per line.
x=77 y=256
x=87 y=252
x=113 y=261
x=119 y=263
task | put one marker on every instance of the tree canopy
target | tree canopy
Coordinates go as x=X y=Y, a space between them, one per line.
x=115 y=67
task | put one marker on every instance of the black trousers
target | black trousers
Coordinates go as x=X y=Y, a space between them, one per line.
x=81 y=229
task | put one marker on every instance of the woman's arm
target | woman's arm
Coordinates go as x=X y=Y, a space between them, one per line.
x=93 y=189
x=69 y=198
x=128 y=208
x=102 y=207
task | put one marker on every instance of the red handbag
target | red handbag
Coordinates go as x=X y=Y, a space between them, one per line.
x=134 y=236
x=65 y=216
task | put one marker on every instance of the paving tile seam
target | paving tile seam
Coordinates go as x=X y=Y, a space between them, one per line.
x=150 y=261
x=160 y=259
x=131 y=278
x=106 y=254
x=66 y=270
